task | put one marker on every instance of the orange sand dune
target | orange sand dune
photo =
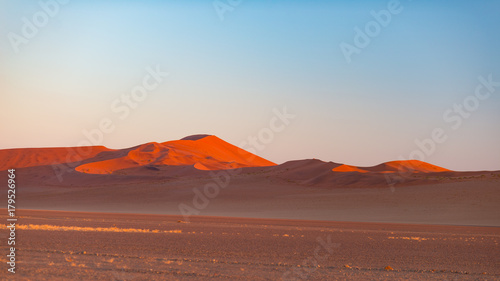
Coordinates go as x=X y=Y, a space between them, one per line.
x=348 y=168
x=203 y=151
x=30 y=157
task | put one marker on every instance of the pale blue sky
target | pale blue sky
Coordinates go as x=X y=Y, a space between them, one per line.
x=226 y=76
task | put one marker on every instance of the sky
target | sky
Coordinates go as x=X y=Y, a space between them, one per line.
x=355 y=82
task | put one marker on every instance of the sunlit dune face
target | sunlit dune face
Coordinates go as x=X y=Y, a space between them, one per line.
x=347 y=168
x=200 y=166
x=415 y=166
x=204 y=153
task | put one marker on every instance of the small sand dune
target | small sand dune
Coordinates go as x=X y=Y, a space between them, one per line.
x=403 y=166
x=414 y=166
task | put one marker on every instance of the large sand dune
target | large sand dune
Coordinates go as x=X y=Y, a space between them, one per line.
x=203 y=152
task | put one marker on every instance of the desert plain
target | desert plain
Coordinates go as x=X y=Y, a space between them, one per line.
x=202 y=209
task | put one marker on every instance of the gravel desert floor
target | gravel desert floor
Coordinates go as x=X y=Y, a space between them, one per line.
x=56 y=245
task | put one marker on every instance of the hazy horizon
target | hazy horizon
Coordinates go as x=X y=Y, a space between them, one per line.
x=230 y=72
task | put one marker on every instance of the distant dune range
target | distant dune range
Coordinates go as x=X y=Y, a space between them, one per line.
x=158 y=177
x=200 y=156
x=202 y=152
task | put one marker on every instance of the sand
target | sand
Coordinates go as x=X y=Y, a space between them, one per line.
x=454 y=204
x=66 y=245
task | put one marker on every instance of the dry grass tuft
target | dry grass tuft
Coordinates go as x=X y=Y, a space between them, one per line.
x=97 y=229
